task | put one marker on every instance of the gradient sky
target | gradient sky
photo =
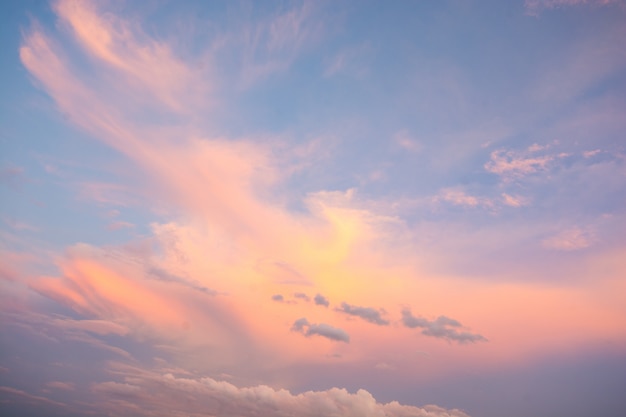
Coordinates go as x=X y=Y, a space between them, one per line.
x=343 y=208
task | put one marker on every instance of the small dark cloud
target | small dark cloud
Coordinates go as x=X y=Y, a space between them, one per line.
x=302 y=296
x=320 y=300
x=366 y=313
x=278 y=297
x=442 y=327
x=303 y=326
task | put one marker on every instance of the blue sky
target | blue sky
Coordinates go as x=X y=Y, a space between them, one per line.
x=337 y=208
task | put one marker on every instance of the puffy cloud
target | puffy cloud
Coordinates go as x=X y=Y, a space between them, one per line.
x=303 y=326
x=366 y=313
x=514 y=164
x=442 y=327
x=278 y=297
x=320 y=300
x=166 y=395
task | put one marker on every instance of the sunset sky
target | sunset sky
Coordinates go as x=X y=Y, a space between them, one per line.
x=313 y=209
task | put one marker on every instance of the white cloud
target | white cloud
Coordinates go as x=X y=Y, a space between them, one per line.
x=166 y=394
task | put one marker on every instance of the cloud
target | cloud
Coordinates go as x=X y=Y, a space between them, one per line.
x=271 y=45
x=320 y=300
x=590 y=154
x=11 y=175
x=64 y=386
x=366 y=313
x=442 y=327
x=458 y=197
x=514 y=200
x=407 y=142
x=516 y=164
x=164 y=394
x=350 y=61
x=278 y=297
x=20 y=395
x=303 y=326
x=302 y=296
x=146 y=66
x=162 y=275
x=119 y=225
x=533 y=7
x=568 y=240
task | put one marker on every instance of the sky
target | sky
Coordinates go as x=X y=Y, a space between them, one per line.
x=319 y=208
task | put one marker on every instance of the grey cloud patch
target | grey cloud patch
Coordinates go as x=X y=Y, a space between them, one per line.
x=302 y=296
x=163 y=275
x=320 y=300
x=278 y=297
x=442 y=327
x=366 y=313
x=303 y=326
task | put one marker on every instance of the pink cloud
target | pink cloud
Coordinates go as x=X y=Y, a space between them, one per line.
x=568 y=240
x=515 y=164
x=456 y=196
x=231 y=231
x=514 y=200
x=143 y=63
x=160 y=392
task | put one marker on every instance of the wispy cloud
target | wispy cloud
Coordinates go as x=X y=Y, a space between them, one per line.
x=568 y=240
x=533 y=7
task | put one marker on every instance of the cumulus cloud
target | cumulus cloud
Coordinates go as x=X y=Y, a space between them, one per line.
x=278 y=297
x=442 y=327
x=320 y=300
x=366 y=313
x=165 y=395
x=303 y=326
